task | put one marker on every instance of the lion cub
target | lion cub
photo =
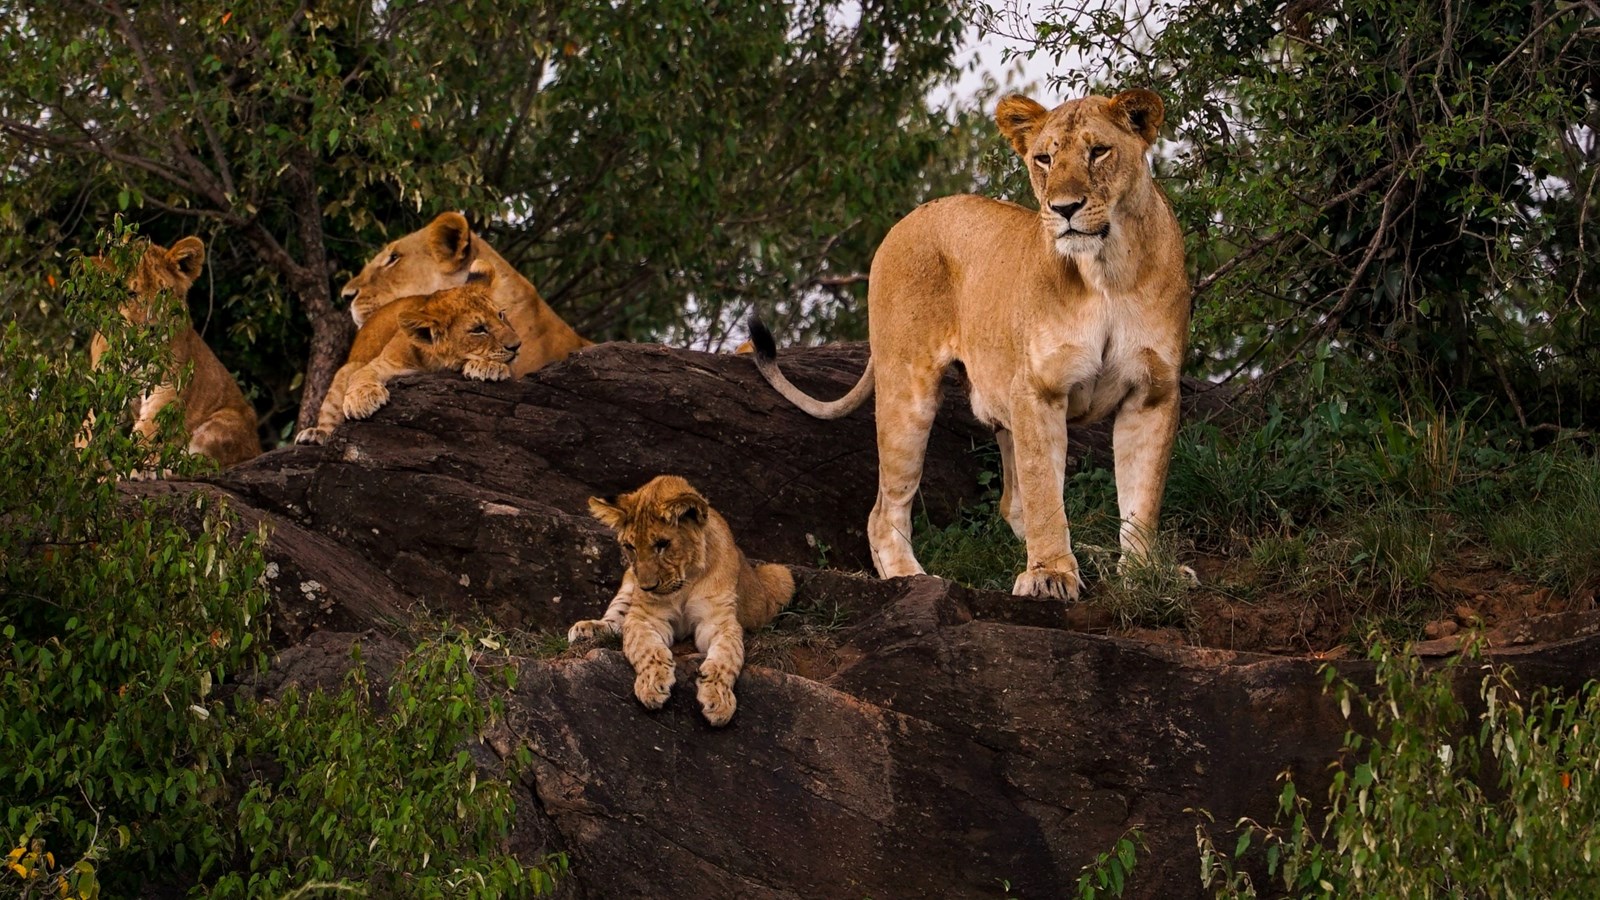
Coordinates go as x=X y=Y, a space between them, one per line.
x=456 y=328
x=219 y=421
x=685 y=576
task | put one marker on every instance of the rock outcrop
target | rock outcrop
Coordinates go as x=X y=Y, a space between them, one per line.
x=943 y=743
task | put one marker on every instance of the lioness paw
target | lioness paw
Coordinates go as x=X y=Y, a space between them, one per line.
x=716 y=696
x=591 y=629
x=654 y=684
x=1059 y=584
x=313 y=436
x=486 y=370
x=362 y=400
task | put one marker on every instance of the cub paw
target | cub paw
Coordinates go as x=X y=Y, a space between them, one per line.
x=1057 y=584
x=654 y=684
x=716 y=696
x=589 y=630
x=313 y=436
x=362 y=400
x=486 y=370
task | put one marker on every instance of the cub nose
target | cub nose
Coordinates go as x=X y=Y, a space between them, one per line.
x=349 y=294
x=1065 y=210
x=513 y=347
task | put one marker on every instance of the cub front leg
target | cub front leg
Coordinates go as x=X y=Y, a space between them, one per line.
x=1040 y=452
x=486 y=370
x=723 y=641
x=616 y=614
x=646 y=642
x=367 y=393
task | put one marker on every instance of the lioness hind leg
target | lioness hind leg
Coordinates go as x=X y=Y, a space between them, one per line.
x=227 y=437
x=1010 y=496
x=907 y=402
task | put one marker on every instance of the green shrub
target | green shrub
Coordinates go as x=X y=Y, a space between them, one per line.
x=1442 y=801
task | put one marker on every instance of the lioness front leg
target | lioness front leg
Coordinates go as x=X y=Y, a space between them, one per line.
x=1142 y=440
x=332 y=411
x=646 y=642
x=723 y=641
x=1041 y=457
x=616 y=613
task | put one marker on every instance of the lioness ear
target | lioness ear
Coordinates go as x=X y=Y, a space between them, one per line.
x=482 y=272
x=420 y=326
x=1018 y=117
x=1142 y=111
x=607 y=511
x=189 y=255
x=450 y=238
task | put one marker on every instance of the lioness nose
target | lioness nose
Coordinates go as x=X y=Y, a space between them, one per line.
x=349 y=294
x=1065 y=210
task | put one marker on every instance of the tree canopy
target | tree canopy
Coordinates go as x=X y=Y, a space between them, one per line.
x=654 y=169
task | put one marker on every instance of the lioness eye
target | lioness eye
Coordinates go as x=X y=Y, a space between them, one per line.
x=394 y=257
x=502 y=315
x=1042 y=159
x=1097 y=152
x=663 y=544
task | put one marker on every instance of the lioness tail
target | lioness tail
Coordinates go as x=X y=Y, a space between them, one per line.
x=767 y=361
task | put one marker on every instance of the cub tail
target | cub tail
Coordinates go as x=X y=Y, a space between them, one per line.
x=767 y=362
x=764 y=591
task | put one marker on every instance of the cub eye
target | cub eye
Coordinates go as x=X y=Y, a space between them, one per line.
x=1042 y=159
x=1098 y=151
x=663 y=544
x=394 y=257
x=628 y=546
x=481 y=329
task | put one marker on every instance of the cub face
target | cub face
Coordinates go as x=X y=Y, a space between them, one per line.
x=160 y=271
x=431 y=259
x=460 y=327
x=661 y=528
x=1082 y=158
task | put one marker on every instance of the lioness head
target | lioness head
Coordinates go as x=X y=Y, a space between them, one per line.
x=1084 y=157
x=430 y=259
x=160 y=270
x=662 y=530
x=460 y=325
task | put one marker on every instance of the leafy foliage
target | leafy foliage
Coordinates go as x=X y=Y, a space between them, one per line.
x=127 y=758
x=1408 y=180
x=1445 y=801
x=655 y=170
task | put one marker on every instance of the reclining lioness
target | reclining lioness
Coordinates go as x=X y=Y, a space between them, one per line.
x=439 y=256
x=685 y=577
x=458 y=328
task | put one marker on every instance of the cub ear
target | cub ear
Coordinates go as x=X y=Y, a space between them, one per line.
x=189 y=255
x=1018 y=117
x=689 y=509
x=607 y=511
x=421 y=326
x=450 y=239
x=482 y=272
x=1141 y=111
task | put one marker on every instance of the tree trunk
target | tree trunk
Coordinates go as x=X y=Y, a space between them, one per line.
x=331 y=329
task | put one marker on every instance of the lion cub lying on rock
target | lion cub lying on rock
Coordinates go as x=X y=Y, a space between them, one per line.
x=456 y=328
x=685 y=576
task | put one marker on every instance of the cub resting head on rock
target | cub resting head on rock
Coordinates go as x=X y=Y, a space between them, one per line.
x=685 y=577
x=218 y=420
x=457 y=328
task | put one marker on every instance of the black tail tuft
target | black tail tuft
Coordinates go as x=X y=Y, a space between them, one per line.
x=766 y=346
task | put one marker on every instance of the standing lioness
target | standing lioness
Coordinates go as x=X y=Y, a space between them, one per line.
x=1068 y=314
